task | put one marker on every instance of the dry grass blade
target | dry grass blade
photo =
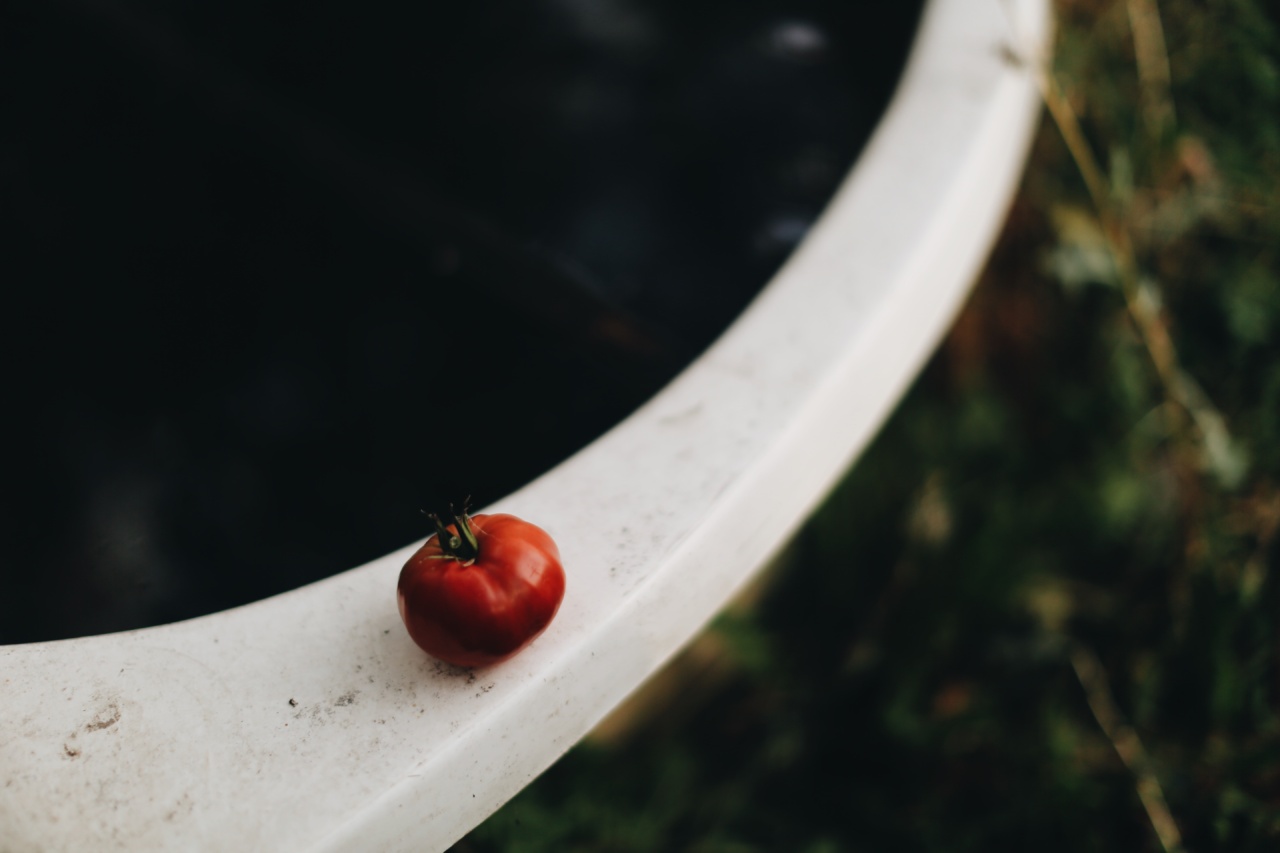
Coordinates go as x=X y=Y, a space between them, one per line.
x=1141 y=295
x=1093 y=679
x=1152 y=58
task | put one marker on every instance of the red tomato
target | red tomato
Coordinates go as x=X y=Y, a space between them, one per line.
x=481 y=589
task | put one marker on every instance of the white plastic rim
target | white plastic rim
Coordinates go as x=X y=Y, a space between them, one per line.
x=310 y=721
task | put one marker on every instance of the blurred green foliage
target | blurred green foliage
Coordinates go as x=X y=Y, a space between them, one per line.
x=1046 y=559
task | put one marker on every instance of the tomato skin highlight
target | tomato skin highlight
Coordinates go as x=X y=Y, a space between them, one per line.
x=484 y=611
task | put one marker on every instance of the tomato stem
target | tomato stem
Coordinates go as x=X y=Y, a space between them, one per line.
x=460 y=543
x=463 y=522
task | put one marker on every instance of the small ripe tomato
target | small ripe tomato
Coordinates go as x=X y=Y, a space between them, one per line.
x=480 y=589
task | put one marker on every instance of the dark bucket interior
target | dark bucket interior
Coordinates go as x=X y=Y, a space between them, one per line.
x=281 y=275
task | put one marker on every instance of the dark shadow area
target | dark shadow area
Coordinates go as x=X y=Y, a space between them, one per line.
x=282 y=274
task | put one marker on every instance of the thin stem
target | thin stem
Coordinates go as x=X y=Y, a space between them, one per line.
x=1153 y=67
x=1140 y=298
x=1124 y=739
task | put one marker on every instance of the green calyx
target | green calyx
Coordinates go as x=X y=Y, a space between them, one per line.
x=460 y=543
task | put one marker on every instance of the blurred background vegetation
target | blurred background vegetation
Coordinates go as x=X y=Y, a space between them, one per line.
x=1040 y=613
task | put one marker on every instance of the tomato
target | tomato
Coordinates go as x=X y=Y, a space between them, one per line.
x=481 y=589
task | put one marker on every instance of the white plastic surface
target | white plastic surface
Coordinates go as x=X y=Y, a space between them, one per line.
x=310 y=721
